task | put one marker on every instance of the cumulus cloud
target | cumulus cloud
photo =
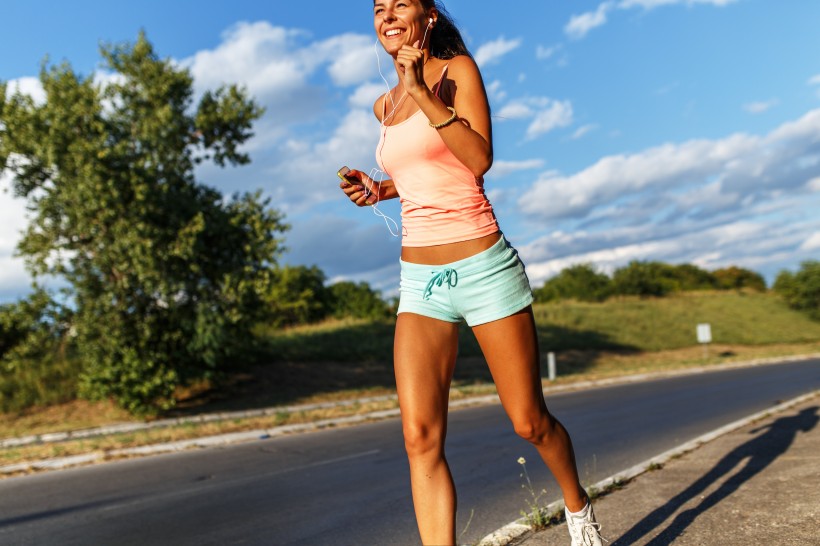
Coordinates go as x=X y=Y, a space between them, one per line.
x=493 y=51
x=27 y=86
x=503 y=168
x=546 y=114
x=744 y=199
x=580 y=25
x=812 y=243
x=278 y=65
x=14 y=280
x=758 y=107
x=744 y=166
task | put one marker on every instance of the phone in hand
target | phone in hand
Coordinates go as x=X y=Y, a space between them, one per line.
x=342 y=174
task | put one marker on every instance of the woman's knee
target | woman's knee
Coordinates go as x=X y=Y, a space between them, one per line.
x=536 y=429
x=422 y=440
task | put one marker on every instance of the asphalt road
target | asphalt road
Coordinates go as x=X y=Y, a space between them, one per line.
x=349 y=486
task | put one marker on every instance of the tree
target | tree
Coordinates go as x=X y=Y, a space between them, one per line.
x=581 y=282
x=298 y=296
x=801 y=290
x=691 y=277
x=357 y=300
x=644 y=279
x=165 y=276
x=735 y=278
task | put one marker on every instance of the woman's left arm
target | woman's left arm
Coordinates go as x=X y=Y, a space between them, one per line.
x=469 y=137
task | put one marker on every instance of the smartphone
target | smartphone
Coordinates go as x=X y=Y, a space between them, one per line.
x=342 y=173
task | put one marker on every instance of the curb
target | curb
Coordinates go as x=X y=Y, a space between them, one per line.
x=516 y=529
x=53 y=437
x=262 y=434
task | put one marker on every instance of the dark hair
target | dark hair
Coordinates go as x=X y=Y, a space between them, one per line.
x=445 y=39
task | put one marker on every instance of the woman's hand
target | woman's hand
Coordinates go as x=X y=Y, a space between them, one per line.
x=411 y=62
x=363 y=190
x=357 y=187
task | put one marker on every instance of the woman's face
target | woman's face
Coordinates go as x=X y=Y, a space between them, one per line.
x=400 y=22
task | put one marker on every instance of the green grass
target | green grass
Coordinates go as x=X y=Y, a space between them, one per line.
x=744 y=318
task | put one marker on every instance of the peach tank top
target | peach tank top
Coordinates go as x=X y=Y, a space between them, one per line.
x=441 y=200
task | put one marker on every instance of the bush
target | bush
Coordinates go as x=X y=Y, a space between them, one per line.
x=735 y=278
x=579 y=282
x=298 y=296
x=801 y=290
x=644 y=279
x=357 y=300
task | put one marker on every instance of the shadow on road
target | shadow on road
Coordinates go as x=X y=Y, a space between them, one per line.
x=757 y=453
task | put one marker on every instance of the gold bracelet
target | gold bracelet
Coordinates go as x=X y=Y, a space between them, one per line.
x=445 y=123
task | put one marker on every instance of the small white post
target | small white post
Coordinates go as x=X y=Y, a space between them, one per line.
x=551 y=366
x=705 y=337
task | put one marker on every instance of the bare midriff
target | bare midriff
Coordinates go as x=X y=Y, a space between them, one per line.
x=448 y=253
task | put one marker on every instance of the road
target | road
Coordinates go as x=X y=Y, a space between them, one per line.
x=349 y=486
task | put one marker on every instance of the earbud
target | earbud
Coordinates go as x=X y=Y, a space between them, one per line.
x=431 y=21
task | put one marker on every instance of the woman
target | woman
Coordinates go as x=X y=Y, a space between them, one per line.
x=436 y=146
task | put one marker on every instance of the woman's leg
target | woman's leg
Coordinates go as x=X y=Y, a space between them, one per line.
x=510 y=346
x=424 y=356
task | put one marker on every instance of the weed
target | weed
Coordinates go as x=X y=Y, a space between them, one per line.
x=654 y=466
x=536 y=515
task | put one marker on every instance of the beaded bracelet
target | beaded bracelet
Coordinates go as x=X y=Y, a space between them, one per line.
x=447 y=122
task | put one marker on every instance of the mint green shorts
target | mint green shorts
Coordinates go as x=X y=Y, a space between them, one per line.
x=488 y=286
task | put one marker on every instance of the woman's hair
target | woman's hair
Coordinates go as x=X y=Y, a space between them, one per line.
x=445 y=39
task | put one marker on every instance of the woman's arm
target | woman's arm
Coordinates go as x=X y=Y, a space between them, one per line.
x=376 y=191
x=470 y=136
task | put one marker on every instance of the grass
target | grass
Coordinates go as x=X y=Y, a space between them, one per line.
x=340 y=360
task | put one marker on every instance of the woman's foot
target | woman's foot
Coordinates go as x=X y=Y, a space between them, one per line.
x=583 y=528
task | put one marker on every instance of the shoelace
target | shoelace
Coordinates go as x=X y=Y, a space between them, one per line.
x=447 y=275
x=590 y=531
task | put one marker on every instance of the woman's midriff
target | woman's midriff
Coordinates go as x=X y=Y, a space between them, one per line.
x=451 y=252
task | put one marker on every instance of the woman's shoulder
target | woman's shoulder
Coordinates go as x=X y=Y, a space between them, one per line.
x=461 y=64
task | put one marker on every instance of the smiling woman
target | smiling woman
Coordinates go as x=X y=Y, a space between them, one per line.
x=435 y=148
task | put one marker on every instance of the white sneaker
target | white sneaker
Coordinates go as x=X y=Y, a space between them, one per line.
x=583 y=529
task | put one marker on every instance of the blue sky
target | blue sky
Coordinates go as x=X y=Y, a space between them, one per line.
x=673 y=130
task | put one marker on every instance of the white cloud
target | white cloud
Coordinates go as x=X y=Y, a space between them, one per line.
x=813 y=185
x=366 y=94
x=543 y=53
x=277 y=66
x=812 y=243
x=14 y=280
x=547 y=114
x=652 y=4
x=745 y=165
x=814 y=80
x=583 y=131
x=27 y=86
x=758 y=107
x=556 y=114
x=493 y=51
x=579 y=25
x=504 y=168
x=495 y=91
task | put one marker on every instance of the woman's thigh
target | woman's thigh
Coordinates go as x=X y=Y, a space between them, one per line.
x=424 y=358
x=510 y=346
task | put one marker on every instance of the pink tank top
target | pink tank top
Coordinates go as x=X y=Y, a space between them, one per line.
x=441 y=200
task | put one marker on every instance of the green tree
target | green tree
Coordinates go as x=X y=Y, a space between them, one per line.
x=298 y=296
x=692 y=277
x=165 y=275
x=735 y=278
x=801 y=290
x=644 y=279
x=580 y=282
x=357 y=300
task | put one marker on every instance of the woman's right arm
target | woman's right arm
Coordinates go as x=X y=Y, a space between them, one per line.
x=376 y=191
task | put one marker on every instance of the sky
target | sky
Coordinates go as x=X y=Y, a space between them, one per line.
x=685 y=131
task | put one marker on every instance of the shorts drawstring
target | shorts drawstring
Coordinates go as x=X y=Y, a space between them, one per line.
x=447 y=275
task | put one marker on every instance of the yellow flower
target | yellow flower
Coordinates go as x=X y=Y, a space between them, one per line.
x=522 y=460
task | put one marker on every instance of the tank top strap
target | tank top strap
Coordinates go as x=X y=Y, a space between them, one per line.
x=441 y=79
